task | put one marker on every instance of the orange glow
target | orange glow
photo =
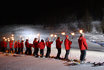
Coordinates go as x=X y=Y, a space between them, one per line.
x=51 y=35
x=12 y=35
x=4 y=38
x=80 y=31
x=72 y=34
x=63 y=33
x=38 y=34
x=55 y=35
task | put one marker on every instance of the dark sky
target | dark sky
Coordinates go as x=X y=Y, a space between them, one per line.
x=44 y=12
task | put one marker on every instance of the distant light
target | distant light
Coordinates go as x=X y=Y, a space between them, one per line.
x=63 y=33
x=51 y=35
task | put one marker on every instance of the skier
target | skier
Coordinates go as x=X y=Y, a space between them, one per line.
x=22 y=46
x=42 y=46
x=27 y=47
x=67 y=44
x=48 y=44
x=11 y=46
x=15 y=46
x=19 y=46
x=58 y=47
x=83 y=47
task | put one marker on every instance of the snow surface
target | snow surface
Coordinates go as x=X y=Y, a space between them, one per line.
x=26 y=62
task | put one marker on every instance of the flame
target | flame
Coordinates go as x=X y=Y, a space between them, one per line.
x=63 y=33
x=73 y=34
x=51 y=35
x=55 y=35
x=80 y=31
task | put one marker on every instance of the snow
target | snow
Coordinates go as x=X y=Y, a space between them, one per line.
x=26 y=62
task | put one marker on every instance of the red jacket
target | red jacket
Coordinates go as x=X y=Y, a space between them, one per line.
x=67 y=44
x=19 y=44
x=30 y=45
x=58 y=43
x=11 y=44
x=15 y=45
x=22 y=45
x=35 y=44
x=48 y=44
x=27 y=44
x=3 y=44
x=82 y=43
x=41 y=45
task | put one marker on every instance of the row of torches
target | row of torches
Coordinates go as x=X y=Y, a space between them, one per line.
x=51 y=35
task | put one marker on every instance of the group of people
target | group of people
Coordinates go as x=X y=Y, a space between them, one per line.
x=40 y=45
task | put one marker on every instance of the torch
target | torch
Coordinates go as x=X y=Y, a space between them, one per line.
x=38 y=36
x=81 y=31
x=55 y=36
x=51 y=36
x=63 y=33
x=73 y=34
x=4 y=38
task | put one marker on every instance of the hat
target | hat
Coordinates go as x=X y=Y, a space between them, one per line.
x=67 y=36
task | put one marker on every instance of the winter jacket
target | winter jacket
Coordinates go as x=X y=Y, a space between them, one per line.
x=67 y=44
x=82 y=43
x=58 y=43
x=15 y=45
x=19 y=44
x=11 y=44
x=41 y=45
x=22 y=45
x=27 y=44
x=48 y=44
x=35 y=44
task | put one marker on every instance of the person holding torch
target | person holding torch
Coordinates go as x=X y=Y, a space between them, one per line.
x=48 y=44
x=83 y=47
x=67 y=44
x=58 y=47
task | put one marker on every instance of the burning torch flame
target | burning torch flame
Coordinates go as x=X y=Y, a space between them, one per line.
x=12 y=35
x=63 y=33
x=51 y=35
x=80 y=31
x=55 y=35
x=3 y=37
x=72 y=34
x=38 y=34
x=8 y=39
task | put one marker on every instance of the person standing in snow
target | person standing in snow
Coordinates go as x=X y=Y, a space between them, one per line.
x=27 y=46
x=58 y=47
x=42 y=46
x=19 y=46
x=67 y=44
x=11 y=46
x=15 y=46
x=48 y=44
x=22 y=46
x=83 y=47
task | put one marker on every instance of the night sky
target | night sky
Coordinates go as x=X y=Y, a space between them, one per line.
x=52 y=12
